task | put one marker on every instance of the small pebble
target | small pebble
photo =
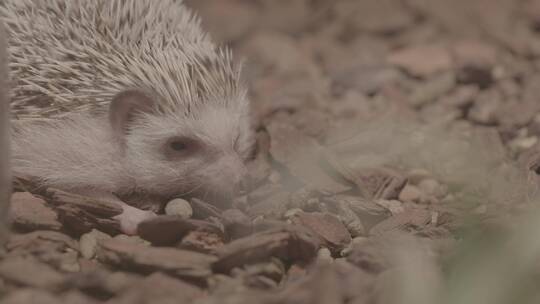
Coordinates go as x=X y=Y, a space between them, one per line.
x=179 y=207
x=356 y=228
x=355 y=242
x=88 y=243
x=415 y=176
x=431 y=187
x=410 y=193
x=523 y=144
x=324 y=256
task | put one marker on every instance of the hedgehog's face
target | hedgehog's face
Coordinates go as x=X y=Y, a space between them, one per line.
x=172 y=155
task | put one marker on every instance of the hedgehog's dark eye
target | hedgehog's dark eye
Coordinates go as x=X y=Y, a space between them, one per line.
x=178 y=145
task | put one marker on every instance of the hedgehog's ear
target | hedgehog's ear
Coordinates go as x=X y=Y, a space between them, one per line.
x=123 y=109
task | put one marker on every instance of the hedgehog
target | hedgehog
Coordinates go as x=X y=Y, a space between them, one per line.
x=112 y=98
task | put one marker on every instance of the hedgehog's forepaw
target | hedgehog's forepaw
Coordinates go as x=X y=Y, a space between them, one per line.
x=131 y=217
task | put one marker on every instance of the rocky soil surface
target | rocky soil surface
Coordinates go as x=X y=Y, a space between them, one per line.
x=380 y=125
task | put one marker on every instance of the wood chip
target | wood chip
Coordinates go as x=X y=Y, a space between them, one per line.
x=290 y=243
x=169 y=229
x=330 y=230
x=379 y=183
x=94 y=206
x=181 y=263
x=411 y=218
x=78 y=221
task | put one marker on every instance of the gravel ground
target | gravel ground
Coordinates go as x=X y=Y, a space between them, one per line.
x=386 y=130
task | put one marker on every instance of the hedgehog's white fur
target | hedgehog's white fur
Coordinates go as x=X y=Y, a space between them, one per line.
x=71 y=57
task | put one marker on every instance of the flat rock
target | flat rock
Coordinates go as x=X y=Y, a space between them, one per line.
x=287 y=243
x=159 y=288
x=181 y=263
x=422 y=60
x=31 y=273
x=474 y=53
x=31 y=213
x=94 y=206
x=330 y=230
x=169 y=229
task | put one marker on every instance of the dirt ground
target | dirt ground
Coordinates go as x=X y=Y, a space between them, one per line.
x=391 y=135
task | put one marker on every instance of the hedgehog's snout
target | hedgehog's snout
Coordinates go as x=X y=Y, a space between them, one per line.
x=228 y=174
x=233 y=170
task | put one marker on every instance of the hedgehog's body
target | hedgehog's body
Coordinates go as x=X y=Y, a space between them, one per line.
x=134 y=95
